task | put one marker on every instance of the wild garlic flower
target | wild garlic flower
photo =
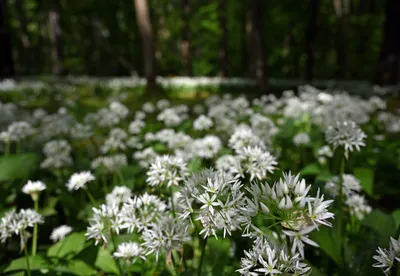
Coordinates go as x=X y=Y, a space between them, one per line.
x=60 y=233
x=301 y=139
x=145 y=157
x=130 y=252
x=170 y=117
x=214 y=198
x=230 y=164
x=57 y=155
x=18 y=131
x=136 y=126
x=244 y=137
x=202 y=123
x=81 y=131
x=288 y=203
x=119 y=195
x=345 y=134
x=111 y=163
x=257 y=162
x=13 y=223
x=119 y=109
x=141 y=212
x=165 y=235
x=356 y=203
x=163 y=104
x=79 y=180
x=264 y=259
x=386 y=258
x=207 y=147
x=166 y=169
x=115 y=141
x=263 y=127
x=106 y=219
x=33 y=188
x=148 y=107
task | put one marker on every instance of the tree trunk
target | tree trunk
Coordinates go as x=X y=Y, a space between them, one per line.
x=6 y=61
x=342 y=9
x=186 y=49
x=224 y=39
x=389 y=61
x=246 y=31
x=146 y=33
x=24 y=55
x=55 y=35
x=257 y=57
x=311 y=36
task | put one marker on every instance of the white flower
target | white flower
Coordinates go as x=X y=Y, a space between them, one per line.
x=119 y=195
x=33 y=188
x=301 y=139
x=346 y=134
x=130 y=252
x=202 y=123
x=257 y=162
x=60 y=233
x=80 y=180
x=385 y=259
x=168 y=170
x=299 y=238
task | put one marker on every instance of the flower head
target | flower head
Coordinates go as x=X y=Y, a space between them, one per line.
x=33 y=188
x=80 y=180
x=60 y=233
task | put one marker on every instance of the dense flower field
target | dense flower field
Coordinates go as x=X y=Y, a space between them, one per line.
x=302 y=184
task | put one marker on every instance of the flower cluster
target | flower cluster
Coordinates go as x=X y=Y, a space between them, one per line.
x=387 y=257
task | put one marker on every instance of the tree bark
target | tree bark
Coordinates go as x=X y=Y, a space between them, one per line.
x=6 y=61
x=342 y=9
x=257 y=57
x=224 y=39
x=55 y=37
x=311 y=36
x=388 y=71
x=186 y=45
x=24 y=55
x=146 y=33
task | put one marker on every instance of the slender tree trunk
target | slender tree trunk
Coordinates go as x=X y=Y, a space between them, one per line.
x=24 y=55
x=55 y=37
x=342 y=9
x=246 y=31
x=6 y=61
x=311 y=36
x=186 y=47
x=258 y=58
x=388 y=71
x=146 y=33
x=224 y=38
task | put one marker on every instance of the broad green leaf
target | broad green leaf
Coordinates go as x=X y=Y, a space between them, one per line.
x=327 y=242
x=10 y=166
x=324 y=176
x=382 y=224
x=69 y=247
x=35 y=262
x=312 y=169
x=81 y=268
x=106 y=262
x=396 y=217
x=366 y=177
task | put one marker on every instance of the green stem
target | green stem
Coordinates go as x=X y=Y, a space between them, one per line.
x=203 y=251
x=18 y=147
x=174 y=263
x=340 y=212
x=7 y=148
x=105 y=187
x=115 y=249
x=35 y=229
x=172 y=201
x=121 y=177
x=90 y=196
x=27 y=261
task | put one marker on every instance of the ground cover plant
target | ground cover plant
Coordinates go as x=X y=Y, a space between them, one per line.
x=96 y=181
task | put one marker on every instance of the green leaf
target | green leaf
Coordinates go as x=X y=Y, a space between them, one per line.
x=312 y=169
x=327 y=242
x=382 y=224
x=81 y=268
x=35 y=262
x=396 y=217
x=10 y=166
x=366 y=177
x=106 y=262
x=69 y=247
x=323 y=176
